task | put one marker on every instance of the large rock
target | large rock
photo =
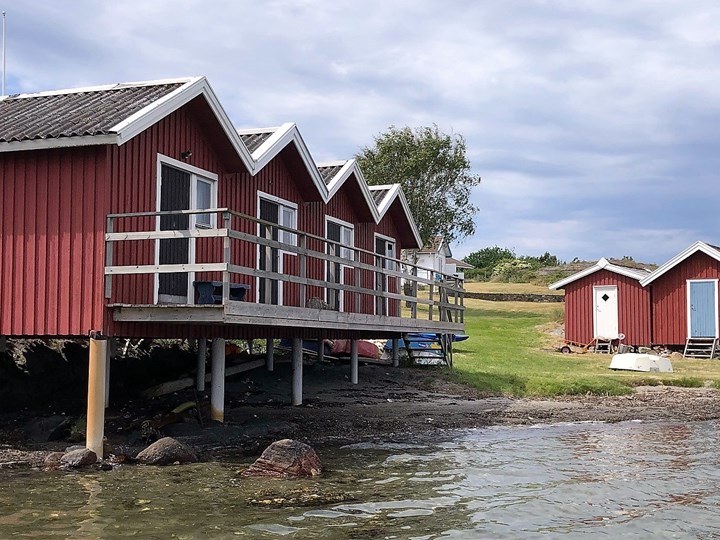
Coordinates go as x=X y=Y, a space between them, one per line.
x=286 y=459
x=82 y=457
x=167 y=451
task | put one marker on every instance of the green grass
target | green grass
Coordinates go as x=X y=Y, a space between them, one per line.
x=505 y=356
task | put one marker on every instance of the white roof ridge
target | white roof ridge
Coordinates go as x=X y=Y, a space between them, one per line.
x=102 y=88
x=255 y=131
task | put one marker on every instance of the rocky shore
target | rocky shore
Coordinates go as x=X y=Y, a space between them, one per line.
x=387 y=405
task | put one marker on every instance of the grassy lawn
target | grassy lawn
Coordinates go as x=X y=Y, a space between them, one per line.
x=505 y=356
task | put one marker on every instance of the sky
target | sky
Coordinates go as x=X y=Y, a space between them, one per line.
x=595 y=126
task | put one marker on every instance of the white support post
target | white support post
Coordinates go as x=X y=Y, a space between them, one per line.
x=270 y=354
x=321 y=350
x=95 y=429
x=201 y=361
x=217 y=385
x=354 y=361
x=297 y=371
x=395 y=352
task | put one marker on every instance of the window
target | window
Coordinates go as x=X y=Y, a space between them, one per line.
x=203 y=201
x=288 y=218
x=281 y=212
x=343 y=233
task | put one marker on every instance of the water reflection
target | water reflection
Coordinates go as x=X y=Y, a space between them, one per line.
x=631 y=479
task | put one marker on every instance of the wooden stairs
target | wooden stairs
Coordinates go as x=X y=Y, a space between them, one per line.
x=701 y=347
x=603 y=345
x=429 y=349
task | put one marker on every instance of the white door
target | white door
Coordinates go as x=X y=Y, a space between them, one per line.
x=605 y=301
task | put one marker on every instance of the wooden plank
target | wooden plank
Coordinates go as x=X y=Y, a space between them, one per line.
x=164 y=235
x=165 y=268
x=167 y=313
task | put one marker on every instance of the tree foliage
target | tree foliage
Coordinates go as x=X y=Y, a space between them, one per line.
x=434 y=173
x=489 y=257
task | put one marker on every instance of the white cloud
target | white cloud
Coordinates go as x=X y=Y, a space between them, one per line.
x=592 y=126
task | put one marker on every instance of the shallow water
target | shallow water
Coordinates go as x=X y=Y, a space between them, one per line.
x=659 y=480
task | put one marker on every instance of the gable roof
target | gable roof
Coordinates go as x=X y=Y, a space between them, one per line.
x=698 y=246
x=267 y=143
x=110 y=114
x=436 y=245
x=114 y=114
x=458 y=263
x=602 y=264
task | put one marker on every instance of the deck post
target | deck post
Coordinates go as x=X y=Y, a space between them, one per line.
x=270 y=354
x=354 y=361
x=95 y=429
x=201 y=360
x=111 y=350
x=321 y=349
x=297 y=371
x=217 y=384
x=395 y=352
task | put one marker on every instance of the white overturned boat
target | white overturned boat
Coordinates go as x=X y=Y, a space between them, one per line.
x=641 y=362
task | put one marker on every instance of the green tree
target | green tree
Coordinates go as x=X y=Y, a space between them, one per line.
x=489 y=257
x=434 y=173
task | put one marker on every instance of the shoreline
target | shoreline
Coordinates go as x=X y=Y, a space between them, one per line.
x=388 y=405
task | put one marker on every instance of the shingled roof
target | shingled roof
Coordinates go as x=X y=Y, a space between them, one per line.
x=254 y=139
x=73 y=113
x=329 y=172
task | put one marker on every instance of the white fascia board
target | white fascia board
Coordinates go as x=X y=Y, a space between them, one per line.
x=287 y=134
x=602 y=264
x=58 y=142
x=680 y=257
x=394 y=191
x=353 y=169
x=389 y=196
x=340 y=177
x=156 y=111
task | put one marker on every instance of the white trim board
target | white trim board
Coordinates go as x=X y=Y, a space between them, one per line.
x=602 y=264
x=688 y=305
x=680 y=257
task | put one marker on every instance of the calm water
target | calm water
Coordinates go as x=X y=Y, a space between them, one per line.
x=631 y=480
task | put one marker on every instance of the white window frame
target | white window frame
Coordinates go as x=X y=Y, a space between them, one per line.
x=394 y=246
x=285 y=237
x=394 y=256
x=687 y=304
x=293 y=237
x=196 y=175
x=347 y=251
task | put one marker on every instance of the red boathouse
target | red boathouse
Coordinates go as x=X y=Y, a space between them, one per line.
x=138 y=210
x=607 y=301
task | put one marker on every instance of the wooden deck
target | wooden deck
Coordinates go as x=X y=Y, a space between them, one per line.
x=406 y=302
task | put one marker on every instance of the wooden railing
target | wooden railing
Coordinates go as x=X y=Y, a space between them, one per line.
x=438 y=299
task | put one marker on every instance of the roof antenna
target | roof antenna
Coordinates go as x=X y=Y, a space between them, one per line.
x=4 y=63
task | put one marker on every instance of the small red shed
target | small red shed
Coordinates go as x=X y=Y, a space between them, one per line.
x=606 y=301
x=685 y=297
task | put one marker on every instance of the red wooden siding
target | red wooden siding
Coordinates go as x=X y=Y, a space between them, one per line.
x=633 y=308
x=53 y=206
x=669 y=292
x=52 y=213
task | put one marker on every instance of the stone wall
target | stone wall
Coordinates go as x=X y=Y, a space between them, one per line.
x=503 y=297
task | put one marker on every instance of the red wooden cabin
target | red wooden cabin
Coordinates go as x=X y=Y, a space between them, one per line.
x=606 y=301
x=685 y=298
x=138 y=210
